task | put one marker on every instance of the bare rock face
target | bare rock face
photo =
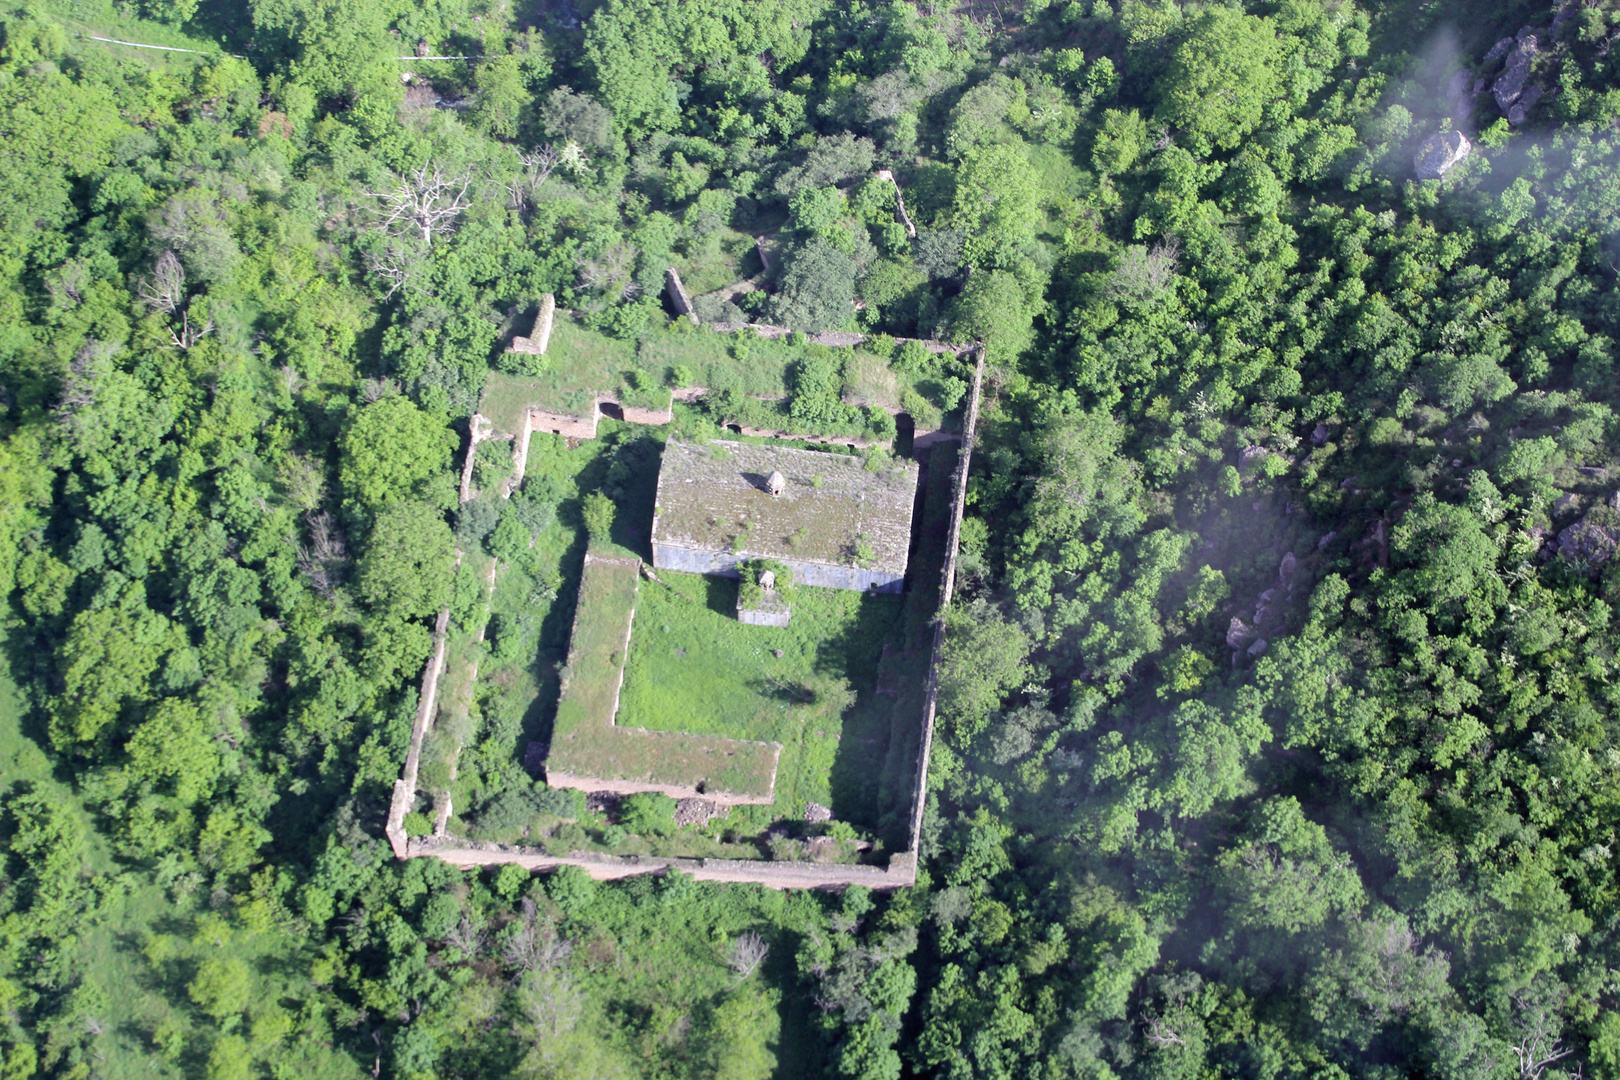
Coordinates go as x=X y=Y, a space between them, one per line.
x=1499 y=50
x=1238 y=633
x=1520 y=111
x=814 y=812
x=1250 y=457
x=1591 y=542
x=1258 y=648
x=1439 y=153
x=1460 y=99
x=1510 y=85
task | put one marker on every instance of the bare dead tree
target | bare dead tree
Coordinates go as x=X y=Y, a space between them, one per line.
x=426 y=201
x=537 y=167
x=374 y=390
x=303 y=480
x=609 y=274
x=291 y=380
x=551 y=1003
x=67 y=285
x=395 y=264
x=1145 y=273
x=1538 y=1018
x=466 y=935
x=748 y=951
x=190 y=333
x=535 y=946
x=323 y=559
x=79 y=388
x=165 y=290
x=1158 y=1032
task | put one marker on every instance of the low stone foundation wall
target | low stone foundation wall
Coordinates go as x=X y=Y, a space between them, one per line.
x=637 y=787
x=635 y=415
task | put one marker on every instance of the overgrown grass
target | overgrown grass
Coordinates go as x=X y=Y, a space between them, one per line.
x=586 y=741
x=583 y=363
x=716 y=261
x=607 y=602
x=659 y=989
x=693 y=667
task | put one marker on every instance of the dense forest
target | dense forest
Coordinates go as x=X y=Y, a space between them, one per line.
x=1277 y=734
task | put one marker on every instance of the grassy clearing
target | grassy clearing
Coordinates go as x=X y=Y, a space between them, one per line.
x=586 y=741
x=693 y=667
x=662 y=1000
x=144 y=942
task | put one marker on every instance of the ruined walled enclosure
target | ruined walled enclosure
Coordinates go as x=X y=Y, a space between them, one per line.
x=791 y=734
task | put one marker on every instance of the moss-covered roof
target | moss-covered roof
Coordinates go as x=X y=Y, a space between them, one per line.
x=709 y=494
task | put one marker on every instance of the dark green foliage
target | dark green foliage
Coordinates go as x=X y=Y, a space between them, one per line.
x=817 y=292
x=1248 y=381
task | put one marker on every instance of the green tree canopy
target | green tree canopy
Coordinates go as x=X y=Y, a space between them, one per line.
x=1219 y=80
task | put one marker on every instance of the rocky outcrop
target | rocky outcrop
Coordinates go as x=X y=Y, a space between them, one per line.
x=1499 y=50
x=1439 y=153
x=1591 y=542
x=1520 y=111
x=1514 y=94
x=1460 y=100
x=1251 y=458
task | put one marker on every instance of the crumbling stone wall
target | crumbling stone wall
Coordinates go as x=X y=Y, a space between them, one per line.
x=540 y=336
x=677 y=294
x=900 y=873
x=566 y=424
x=953 y=541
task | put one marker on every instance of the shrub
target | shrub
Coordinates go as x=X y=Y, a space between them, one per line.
x=418 y=824
x=913 y=358
x=597 y=511
x=648 y=813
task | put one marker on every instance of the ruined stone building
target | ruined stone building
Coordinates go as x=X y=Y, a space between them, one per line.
x=834 y=523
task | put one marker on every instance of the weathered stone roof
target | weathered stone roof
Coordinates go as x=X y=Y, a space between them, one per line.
x=709 y=494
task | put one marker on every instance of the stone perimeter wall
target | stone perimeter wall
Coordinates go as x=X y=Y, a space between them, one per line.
x=970 y=423
x=902 y=869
